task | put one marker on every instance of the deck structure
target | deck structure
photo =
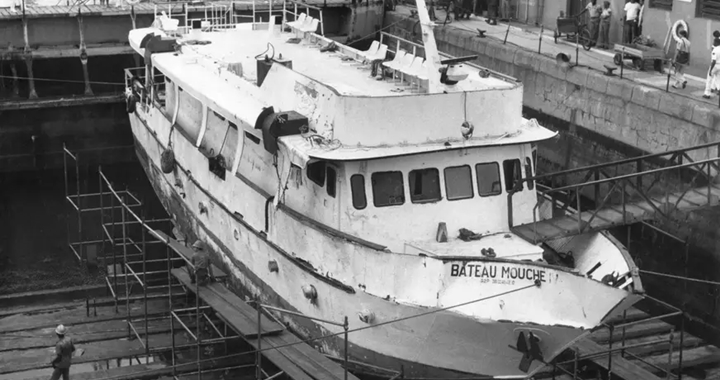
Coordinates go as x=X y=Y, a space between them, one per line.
x=625 y=192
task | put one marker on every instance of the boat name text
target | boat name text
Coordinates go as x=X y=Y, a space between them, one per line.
x=492 y=272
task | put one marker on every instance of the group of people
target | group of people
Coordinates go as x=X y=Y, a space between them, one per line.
x=682 y=59
x=600 y=17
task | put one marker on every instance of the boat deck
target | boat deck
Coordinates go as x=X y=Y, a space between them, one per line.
x=506 y=245
x=339 y=71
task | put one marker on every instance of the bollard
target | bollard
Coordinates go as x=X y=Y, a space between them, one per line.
x=667 y=85
x=622 y=65
x=542 y=31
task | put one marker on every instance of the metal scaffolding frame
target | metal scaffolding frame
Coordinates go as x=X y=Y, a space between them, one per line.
x=190 y=319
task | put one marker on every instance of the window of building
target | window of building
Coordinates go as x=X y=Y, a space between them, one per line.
x=661 y=4
x=316 y=172
x=708 y=9
x=424 y=185
x=331 y=181
x=488 y=179
x=458 y=182
x=529 y=173
x=357 y=184
x=513 y=175
x=388 y=189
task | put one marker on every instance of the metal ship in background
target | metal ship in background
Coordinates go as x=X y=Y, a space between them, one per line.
x=333 y=193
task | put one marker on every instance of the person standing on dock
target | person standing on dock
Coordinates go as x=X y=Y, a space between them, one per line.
x=713 y=71
x=63 y=355
x=593 y=10
x=632 y=11
x=202 y=272
x=682 y=59
x=604 y=35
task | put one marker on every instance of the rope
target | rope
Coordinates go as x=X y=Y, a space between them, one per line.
x=62 y=80
x=681 y=277
x=352 y=330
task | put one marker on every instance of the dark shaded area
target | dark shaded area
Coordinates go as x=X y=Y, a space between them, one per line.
x=34 y=223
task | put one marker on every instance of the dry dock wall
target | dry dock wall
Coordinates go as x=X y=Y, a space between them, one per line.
x=602 y=119
x=639 y=116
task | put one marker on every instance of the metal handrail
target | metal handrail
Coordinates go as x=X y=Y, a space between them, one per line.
x=625 y=161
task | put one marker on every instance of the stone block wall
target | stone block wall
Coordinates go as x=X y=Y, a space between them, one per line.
x=632 y=114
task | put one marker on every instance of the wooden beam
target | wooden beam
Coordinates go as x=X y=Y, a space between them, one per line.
x=53 y=102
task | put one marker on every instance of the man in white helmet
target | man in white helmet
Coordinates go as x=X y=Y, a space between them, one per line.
x=63 y=354
x=200 y=260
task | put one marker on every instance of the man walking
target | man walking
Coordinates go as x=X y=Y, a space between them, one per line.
x=632 y=11
x=201 y=262
x=63 y=355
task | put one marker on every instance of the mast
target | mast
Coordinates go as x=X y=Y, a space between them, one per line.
x=431 y=52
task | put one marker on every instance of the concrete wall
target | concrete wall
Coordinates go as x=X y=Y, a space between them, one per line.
x=601 y=119
x=102 y=126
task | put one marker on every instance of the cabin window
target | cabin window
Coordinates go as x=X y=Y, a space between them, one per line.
x=189 y=116
x=513 y=175
x=529 y=173
x=357 y=183
x=316 y=172
x=388 y=189
x=488 y=179
x=424 y=185
x=252 y=137
x=331 y=181
x=458 y=182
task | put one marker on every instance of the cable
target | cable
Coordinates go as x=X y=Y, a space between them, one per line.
x=353 y=330
x=62 y=80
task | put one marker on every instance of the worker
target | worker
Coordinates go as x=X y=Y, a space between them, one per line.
x=632 y=12
x=63 y=355
x=493 y=8
x=593 y=9
x=682 y=59
x=200 y=261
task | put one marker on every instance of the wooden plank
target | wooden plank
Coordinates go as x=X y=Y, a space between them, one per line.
x=84 y=333
x=187 y=252
x=631 y=315
x=620 y=366
x=152 y=371
x=689 y=342
x=633 y=331
x=17 y=361
x=699 y=356
x=238 y=314
x=312 y=361
x=77 y=315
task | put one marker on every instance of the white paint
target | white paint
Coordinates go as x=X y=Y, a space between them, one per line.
x=347 y=111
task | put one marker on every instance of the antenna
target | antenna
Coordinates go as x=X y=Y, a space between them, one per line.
x=431 y=52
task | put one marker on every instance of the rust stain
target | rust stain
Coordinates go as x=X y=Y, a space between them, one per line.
x=301 y=88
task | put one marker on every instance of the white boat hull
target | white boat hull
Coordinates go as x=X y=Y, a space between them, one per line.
x=438 y=344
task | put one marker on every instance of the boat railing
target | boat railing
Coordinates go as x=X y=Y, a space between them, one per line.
x=149 y=91
x=187 y=16
x=397 y=43
x=297 y=8
x=662 y=183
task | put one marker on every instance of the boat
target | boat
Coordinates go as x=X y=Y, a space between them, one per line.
x=328 y=191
